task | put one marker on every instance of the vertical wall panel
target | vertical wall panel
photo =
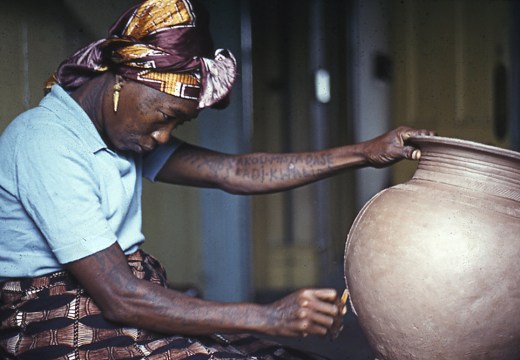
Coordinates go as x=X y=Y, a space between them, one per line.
x=446 y=54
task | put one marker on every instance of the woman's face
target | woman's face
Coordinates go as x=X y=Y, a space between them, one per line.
x=145 y=117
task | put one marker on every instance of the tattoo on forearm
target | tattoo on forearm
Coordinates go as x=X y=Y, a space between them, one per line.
x=264 y=167
x=218 y=165
x=274 y=168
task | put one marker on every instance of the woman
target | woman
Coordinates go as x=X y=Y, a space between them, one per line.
x=75 y=284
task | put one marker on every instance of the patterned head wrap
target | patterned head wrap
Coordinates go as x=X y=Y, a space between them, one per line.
x=164 y=44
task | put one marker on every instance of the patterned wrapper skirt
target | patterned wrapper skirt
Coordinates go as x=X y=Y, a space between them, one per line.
x=52 y=317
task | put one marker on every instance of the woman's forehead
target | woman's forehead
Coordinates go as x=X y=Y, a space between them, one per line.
x=180 y=107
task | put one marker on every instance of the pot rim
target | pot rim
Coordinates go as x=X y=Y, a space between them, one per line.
x=421 y=140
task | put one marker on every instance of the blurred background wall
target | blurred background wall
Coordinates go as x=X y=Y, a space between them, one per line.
x=313 y=74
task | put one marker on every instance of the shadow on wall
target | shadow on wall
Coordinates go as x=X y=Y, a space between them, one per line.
x=35 y=36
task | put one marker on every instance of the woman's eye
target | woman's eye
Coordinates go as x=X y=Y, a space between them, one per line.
x=165 y=117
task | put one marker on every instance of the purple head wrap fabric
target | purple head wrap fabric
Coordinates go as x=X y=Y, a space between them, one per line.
x=165 y=44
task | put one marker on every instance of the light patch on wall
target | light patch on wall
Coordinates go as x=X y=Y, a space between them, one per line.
x=322 y=85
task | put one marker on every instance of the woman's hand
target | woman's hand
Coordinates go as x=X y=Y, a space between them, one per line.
x=392 y=146
x=306 y=312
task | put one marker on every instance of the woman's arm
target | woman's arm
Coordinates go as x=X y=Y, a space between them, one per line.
x=258 y=173
x=125 y=299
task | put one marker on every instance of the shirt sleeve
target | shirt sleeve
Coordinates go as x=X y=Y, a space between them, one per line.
x=59 y=189
x=154 y=161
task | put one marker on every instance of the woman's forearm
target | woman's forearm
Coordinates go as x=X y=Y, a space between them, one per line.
x=258 y=173
x=123 y=298
x=264 y=173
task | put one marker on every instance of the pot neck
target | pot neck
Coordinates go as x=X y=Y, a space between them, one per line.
x=469 y=165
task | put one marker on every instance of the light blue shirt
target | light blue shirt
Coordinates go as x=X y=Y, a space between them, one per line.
x=63 y=194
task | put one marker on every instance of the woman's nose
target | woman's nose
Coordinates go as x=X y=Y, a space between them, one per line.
x=161 y=136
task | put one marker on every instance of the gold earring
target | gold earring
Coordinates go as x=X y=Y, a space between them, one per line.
x=117 y=88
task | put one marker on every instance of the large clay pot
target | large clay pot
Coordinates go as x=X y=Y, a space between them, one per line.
x=433 y=265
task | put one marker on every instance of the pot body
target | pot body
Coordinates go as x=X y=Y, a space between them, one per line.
x=433 y=265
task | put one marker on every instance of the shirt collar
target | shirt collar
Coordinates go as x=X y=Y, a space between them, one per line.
x=66 y=108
